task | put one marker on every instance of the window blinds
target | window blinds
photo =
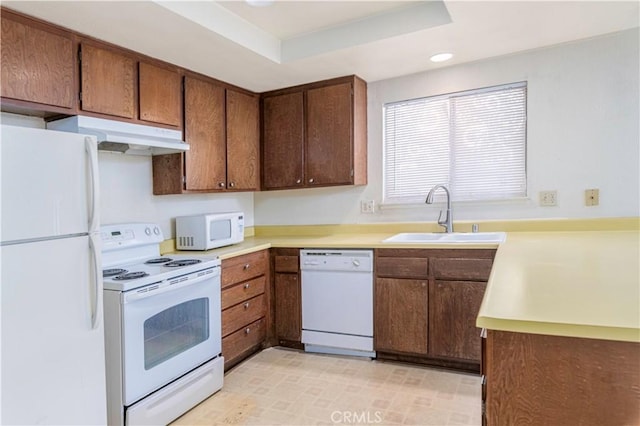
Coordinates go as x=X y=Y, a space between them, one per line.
x=474 y=142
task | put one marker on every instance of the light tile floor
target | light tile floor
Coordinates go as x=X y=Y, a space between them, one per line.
x=286 y=387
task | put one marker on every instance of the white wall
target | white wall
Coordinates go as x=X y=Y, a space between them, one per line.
x=127 y=196
x=583 y=132
x=126 y=184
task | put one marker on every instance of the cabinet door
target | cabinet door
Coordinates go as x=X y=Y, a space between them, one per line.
x=243 y=141
x=453 y=308
x=108 y=82
x=283 y=131
x=329 y=148
x=400 y=315
x=205 y=162
x=160 y=95
x=37 y=66
x=288 y=320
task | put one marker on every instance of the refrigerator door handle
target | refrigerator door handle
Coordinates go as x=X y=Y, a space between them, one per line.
x=94 y=285
x=91 y=147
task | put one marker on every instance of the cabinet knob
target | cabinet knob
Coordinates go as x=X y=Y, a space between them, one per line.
x=246 y=305
x=231 y=184
x=299 y=181
x=221 y=184
x=246 y=285
x=246 y=267
x=311 y=180
x=247 y=330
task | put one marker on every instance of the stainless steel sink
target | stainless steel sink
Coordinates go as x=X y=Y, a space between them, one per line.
x=444 y=238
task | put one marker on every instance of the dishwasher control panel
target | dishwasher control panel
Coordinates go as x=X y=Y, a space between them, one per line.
x=336 y=260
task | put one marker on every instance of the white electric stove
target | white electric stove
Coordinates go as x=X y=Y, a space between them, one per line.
x=162 y=326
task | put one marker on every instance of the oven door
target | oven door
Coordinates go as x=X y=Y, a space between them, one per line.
x=169 y=330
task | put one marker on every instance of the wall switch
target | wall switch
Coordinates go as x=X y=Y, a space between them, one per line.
x=591 y=197
x=548 y=198
x=367 y=206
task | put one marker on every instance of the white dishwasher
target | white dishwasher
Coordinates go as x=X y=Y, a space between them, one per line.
x=337 y=301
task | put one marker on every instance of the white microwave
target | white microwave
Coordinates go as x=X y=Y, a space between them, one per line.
x=208 y=231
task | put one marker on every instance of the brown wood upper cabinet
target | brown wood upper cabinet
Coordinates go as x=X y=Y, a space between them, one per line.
x=205 y=162
x=222 y=128
x=243 y=141
x=160 y=95
x=38 y=64
x=114 y=83
x=315 y=135
x=107 y=82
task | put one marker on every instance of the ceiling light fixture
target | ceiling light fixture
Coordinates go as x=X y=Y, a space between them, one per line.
x=259 y=3
x=441 y=57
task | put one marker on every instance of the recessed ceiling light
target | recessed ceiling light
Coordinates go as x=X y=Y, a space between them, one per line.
x=259 y=3
x=441 y=57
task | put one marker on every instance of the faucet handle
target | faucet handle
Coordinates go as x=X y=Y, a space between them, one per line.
x=440 y=221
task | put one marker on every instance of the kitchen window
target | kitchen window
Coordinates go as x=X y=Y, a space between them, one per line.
x=473 y=141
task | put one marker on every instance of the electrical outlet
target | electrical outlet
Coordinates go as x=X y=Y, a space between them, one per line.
x=367 y=206
x=591 y=197
x=548 y=198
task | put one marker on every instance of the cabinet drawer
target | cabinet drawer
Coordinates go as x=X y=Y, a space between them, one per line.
x=286 y=263
x=242 y=340
x=243 y=268
x=242 y=314
x=461 y=269
x=241 y=292
x=402 y=267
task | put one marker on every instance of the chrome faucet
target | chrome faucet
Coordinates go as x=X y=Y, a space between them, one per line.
x=447 y=223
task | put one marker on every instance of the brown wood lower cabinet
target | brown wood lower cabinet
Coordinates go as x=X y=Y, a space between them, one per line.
x=287 y=297
x=403 y=305
x=426 y=304
x=244 y=302
x=453 y=308
x=552 y=380
x=237 y=345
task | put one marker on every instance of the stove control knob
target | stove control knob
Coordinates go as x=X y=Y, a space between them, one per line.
x=147 y=231
x=156 y=230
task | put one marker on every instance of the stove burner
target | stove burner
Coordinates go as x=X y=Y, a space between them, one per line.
x=113 y=271
x=183 y=262
x=158 y=260
x=130 y=276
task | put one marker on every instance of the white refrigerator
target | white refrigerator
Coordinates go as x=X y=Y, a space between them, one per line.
x=52 y=367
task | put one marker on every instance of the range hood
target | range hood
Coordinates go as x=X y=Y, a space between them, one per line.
x=125 y=138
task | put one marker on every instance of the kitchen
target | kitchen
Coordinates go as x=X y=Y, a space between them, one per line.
x=591 y=141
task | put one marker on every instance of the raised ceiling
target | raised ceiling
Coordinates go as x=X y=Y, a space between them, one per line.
x=295 y=42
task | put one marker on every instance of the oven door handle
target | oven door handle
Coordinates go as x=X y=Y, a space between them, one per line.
x=172 y=284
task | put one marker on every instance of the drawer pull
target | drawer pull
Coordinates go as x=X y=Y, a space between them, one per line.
x=247 y=330
x=246 y=267
x=246 y=285
x=246 y=305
